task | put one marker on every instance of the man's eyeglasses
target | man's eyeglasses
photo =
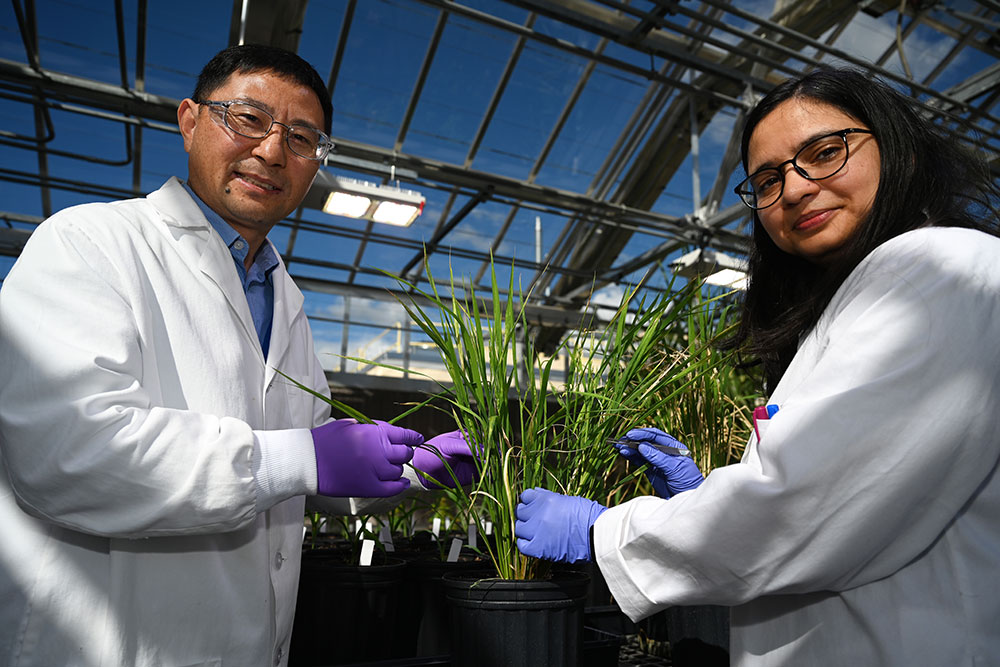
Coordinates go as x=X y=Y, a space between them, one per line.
x=820 y=158
x=255 y=123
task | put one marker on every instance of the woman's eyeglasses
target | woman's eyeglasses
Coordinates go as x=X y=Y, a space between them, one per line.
x=820 y=158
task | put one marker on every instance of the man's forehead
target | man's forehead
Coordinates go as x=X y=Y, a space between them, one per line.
x=265 y=96
x=238 y=77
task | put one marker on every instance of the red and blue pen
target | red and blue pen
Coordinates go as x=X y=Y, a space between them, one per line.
x=761 y=414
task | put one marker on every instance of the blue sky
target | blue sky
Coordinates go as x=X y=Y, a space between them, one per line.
x=386 y=46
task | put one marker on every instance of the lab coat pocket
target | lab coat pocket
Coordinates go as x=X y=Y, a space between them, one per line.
x=762 y=427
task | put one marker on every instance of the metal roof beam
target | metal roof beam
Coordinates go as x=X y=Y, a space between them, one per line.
x=109 y=97
x=267 y=22
x=534 y=314
x=442 y=172
x=418 y=87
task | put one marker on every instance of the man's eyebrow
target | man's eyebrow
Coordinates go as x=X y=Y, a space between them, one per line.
x=811 y=138
x=268 y=108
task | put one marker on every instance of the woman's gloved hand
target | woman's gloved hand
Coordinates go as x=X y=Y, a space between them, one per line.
x=448 y=448
x=669 y=474
x=555 y=527
x=362 y=460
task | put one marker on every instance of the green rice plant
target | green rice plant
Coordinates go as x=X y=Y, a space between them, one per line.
x=713 y=418
x=622 y=376
x=528 y=431
x=473 y=338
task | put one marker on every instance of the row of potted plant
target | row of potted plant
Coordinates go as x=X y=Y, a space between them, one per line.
x=651 y=363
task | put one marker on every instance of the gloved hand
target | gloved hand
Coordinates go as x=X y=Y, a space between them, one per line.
x=364 y=460
x=555 y=527
x=669 y=474
x=453 y=449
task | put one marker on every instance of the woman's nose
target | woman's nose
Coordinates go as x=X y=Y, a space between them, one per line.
x=796 y=187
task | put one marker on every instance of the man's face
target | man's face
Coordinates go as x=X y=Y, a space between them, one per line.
x=251 y=183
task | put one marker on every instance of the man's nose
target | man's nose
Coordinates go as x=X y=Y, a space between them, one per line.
x=271 y=148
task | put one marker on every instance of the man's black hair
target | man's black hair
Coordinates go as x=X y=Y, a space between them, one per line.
x=260 y=58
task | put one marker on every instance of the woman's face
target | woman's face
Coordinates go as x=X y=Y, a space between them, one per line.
x=814 y=219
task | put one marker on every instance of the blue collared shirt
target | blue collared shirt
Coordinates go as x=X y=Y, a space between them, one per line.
x=257 y=283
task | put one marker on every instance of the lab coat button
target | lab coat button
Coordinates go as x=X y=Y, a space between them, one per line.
x=279 y=558
x=278 y=655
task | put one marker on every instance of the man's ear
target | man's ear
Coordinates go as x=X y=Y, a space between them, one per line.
x=187 y=119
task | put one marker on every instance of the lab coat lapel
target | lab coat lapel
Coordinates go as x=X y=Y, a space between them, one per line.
x=287 y=306
x=210 y=255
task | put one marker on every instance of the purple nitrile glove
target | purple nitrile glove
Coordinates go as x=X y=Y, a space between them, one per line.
x=668 y=473
x=555 y=527
x=452 y=449
x=363 y=460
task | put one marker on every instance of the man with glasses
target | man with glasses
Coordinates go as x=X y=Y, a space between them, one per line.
x=155 y=461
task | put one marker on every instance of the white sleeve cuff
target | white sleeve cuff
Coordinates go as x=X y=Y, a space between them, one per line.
x=416 y=481
x=284 y=465
x=608 y=530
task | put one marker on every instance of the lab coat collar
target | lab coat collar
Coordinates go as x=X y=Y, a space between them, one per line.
x=178 y=209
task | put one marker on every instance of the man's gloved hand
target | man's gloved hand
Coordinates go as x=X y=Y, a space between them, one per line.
x=555 y=527
x=452 y=449
x=363 y=460
x=669 y=474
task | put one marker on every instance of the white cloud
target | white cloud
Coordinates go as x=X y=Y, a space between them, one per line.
x=385 y=318
x=328 y=352
x=607 y=299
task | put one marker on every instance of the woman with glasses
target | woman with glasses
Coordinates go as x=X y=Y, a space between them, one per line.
x=863 y=525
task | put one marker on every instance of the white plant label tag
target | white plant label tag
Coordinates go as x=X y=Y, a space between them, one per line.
x=472 y=534
x=436 y=527
x=385 y=537
x=456 y=548
x=367 y=549
x=488 y=527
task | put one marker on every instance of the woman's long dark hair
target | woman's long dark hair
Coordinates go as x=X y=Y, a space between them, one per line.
x=924 y=179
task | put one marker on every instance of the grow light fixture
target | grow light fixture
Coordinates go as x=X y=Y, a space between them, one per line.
x=717 y=268
x=369 y=201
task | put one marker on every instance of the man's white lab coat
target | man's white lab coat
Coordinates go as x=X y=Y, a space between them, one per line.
x=864 y=527
x=131 y=383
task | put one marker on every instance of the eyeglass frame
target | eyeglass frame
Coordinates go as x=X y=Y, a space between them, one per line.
x=325 y=141
x=799 y=170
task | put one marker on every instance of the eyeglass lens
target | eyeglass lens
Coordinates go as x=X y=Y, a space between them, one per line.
x=817 y=160
x=256 y=123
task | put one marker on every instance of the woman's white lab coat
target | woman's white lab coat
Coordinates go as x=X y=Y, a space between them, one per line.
x=864 y=527
x=131 y=383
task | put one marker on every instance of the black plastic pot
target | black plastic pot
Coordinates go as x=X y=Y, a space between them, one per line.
x=432 y=629
x=345 y=613
x=501 y=622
